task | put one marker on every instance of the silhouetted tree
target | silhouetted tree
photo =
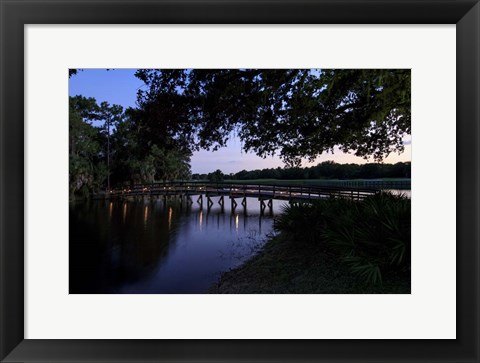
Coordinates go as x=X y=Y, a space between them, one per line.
x=216 y=176
x=298 y=113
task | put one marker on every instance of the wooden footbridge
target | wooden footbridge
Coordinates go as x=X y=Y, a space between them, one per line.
x=265 y=193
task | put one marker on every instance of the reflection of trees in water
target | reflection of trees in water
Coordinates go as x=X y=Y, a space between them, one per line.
x=117 y=243
x=113 y=243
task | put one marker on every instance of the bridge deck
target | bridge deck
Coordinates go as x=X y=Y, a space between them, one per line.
x=262 y=191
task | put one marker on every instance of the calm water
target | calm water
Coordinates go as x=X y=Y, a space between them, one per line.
x=155 y=247
x=151 y=247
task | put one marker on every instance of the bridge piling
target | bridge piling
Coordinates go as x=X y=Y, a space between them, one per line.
x=270 y=205
x=262 y=206
x=222 y=204
x=244 y=204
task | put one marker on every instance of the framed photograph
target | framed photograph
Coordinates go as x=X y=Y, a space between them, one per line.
x=138 y=137
x=149 y=215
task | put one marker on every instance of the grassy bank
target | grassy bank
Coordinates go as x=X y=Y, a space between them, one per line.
x=309 y=181
x=287 y=266
x=386 y=183
x=326 y=248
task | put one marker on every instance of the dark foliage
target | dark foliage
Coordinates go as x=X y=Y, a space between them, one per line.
x=298 y=113
x=372 y=237
x=326 y=170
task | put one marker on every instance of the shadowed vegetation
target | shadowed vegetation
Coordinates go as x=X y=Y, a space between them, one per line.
x=332 y=246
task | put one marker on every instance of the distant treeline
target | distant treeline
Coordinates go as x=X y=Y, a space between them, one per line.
x=324 y=170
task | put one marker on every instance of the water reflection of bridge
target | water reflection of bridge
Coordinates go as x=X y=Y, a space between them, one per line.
x=187 y=191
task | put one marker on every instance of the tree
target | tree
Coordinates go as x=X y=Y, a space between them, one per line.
x=161 y=118
x=72 y=72
x=216 y=176
x=171 y=164
x=90 y=145
x=298 y=113
x=111 y=116
x=301 y=114
x=85 y=171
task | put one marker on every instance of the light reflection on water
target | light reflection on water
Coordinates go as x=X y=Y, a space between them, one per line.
x=148 y=246
x=151 y=247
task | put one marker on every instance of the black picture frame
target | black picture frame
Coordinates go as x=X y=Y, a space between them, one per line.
x=16 y=13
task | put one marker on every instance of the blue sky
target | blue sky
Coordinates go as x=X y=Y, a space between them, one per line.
x=120 y=87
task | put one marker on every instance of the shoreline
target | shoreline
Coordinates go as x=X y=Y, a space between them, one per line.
x=288 y=266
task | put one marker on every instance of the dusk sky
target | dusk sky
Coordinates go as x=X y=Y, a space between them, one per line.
x=120 y=87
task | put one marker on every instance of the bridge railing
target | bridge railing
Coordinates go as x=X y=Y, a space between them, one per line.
x=237 y=190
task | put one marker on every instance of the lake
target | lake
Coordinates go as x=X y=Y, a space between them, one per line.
x=126 y=247
x=152 y=246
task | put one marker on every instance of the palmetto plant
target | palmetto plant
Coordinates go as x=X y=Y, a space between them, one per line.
x=301 y=221
x=378 y=238
x=372 y=237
